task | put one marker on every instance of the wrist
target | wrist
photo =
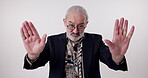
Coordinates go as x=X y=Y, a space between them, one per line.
x=117 y=58
x=32 y=57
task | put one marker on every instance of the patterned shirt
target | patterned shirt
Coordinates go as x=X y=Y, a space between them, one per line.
x=74 y=60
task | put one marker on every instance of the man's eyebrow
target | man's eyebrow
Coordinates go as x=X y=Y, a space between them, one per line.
x=78 y=24
x=70 y=22
x=81 y=23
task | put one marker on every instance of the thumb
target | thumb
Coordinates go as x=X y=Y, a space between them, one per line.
x=43 y=39
x=109 y=43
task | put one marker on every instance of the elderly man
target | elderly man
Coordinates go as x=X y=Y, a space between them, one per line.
x=76 y=54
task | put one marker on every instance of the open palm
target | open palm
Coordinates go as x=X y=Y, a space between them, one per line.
x=31 y=39
x=120 y=42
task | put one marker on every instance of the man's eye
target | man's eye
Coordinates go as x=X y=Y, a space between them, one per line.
x=81 y=26
x=71 y=25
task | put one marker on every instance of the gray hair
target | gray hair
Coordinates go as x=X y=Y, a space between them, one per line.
x=78 y=9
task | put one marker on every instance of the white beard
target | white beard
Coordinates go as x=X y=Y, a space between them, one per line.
x=74 y=38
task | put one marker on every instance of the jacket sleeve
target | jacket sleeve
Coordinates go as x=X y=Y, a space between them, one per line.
x=106 y=58
x=41 y=60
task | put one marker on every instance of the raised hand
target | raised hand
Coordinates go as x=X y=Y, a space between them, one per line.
x=120 y=42
x=34 y=45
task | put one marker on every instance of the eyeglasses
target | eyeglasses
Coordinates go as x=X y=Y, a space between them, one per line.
x=72 y=27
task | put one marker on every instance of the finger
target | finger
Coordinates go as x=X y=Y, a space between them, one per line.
x=28 y=28
x=43 y=39
x=121 y=26
x=131 y=32
x=125 y=28
x=33 y=29
x=25 y=31
x=22 y=33
x=116 y=28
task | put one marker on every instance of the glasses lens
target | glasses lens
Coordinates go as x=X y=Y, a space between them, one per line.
x=72 y=27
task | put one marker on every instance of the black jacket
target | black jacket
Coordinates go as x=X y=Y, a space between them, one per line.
x=94 y=50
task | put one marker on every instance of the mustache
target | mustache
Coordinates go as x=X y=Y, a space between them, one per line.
x=74 y=33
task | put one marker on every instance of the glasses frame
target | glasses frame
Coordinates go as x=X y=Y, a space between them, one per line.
x=80 y=28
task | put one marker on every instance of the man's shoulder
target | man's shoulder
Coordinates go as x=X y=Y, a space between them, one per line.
x=57 y=36
x=92 y=35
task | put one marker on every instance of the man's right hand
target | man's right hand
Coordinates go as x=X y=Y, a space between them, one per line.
x=34 y=45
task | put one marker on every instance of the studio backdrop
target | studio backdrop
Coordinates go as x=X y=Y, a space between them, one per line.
x=47 y=16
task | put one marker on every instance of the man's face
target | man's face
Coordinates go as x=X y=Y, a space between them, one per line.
x=75 y=25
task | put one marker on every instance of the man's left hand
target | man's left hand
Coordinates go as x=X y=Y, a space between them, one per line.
x=120 y=42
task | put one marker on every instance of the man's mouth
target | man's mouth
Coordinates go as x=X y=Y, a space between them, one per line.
x=75 y=34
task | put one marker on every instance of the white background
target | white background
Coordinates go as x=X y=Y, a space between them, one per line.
x=47 y=16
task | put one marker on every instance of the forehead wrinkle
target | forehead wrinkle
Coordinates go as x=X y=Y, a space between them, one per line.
x=77 y=19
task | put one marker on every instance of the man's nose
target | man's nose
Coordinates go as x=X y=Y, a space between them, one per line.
x=75 y=30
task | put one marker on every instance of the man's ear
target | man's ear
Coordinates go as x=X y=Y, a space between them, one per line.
x=64 y=20
x=86 y=23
